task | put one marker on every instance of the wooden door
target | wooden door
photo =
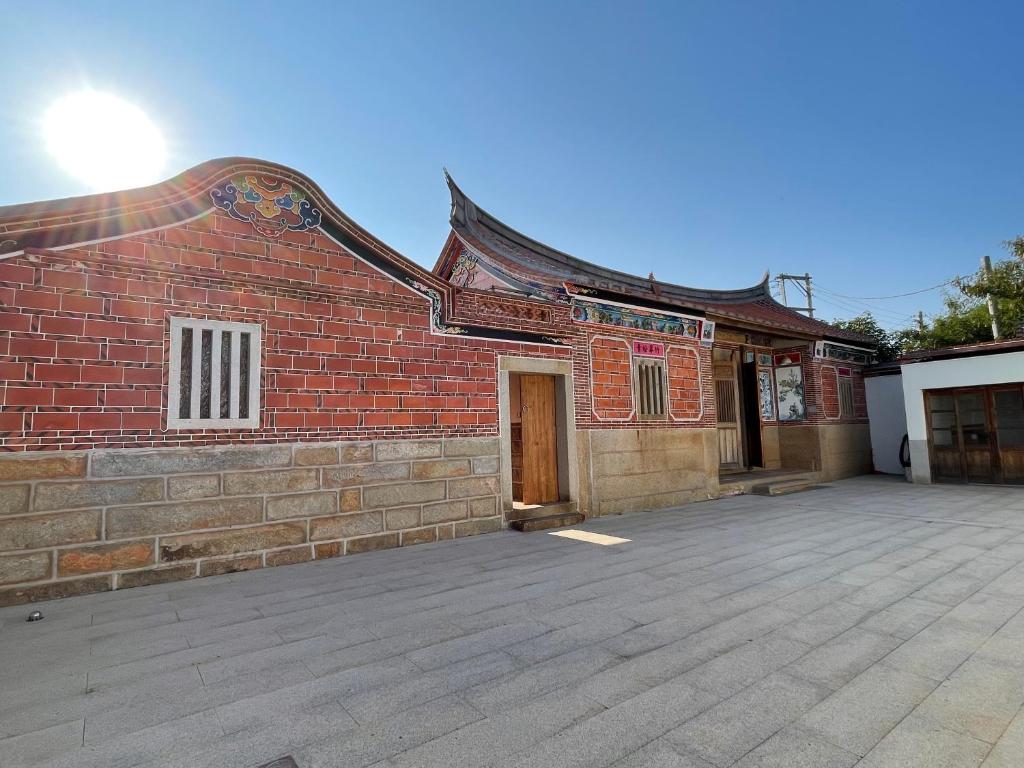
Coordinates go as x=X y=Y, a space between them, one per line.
x=944 y=437
x=727 y=406
x=975 y=436
x=1008 y=425
x=540 y=451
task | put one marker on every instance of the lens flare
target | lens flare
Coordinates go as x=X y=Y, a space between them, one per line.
x=104 y=141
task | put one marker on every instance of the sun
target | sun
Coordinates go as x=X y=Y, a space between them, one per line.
x=104 y=141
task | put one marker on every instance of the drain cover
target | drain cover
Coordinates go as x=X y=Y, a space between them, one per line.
x=282 y=762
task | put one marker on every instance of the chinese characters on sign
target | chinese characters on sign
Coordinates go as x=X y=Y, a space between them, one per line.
x=648 y=349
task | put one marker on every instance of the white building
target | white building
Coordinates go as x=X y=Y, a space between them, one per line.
x=961 y=408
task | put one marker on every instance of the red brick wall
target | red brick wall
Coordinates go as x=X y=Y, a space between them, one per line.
x=347 y=351
x=604 y=357
x=684 y=385
x=829 y=391
x=611 y=378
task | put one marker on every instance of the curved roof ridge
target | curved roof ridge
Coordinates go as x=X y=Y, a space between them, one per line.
x=467 y=215
x=168 y=202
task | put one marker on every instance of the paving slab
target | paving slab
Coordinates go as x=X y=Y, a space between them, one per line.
x=871 y=623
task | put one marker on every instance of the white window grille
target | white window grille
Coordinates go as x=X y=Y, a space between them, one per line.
x=846 y=409
x=214 y=375
x=649 y=377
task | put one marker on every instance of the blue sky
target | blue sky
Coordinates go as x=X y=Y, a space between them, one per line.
x=876 y=145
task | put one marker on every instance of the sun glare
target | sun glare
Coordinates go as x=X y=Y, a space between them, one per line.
x=104 y=141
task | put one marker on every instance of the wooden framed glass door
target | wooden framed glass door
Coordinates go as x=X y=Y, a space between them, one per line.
x=976 y=434
x=943 y=437
x=1008 y=415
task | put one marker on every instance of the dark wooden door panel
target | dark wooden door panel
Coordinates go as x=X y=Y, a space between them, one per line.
x=975 y=435
x=1008 y=425
x=540 y=451
x=944 y=437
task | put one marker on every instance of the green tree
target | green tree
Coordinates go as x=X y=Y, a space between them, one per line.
x=889 y=345
x=966 y=319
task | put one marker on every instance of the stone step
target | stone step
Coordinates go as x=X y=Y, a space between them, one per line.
x=541 y=510
x=782 y=487
x=548 y=521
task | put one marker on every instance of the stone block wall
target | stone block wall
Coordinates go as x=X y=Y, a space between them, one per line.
x=79 y=522
x=626 y=470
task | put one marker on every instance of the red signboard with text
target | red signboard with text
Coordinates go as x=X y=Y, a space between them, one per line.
x=648 y=349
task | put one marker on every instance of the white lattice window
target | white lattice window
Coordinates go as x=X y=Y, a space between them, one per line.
x=214 y=375
x=649 y=379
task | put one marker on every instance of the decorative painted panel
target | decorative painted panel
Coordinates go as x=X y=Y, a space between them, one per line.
x=789 y=382
x=635 y=318
x=707 y=333
x=766 y=394
x=787 y=358
x=271 y=205
x=826 y=350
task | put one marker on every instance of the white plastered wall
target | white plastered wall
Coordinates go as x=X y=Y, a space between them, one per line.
x=941 y=374
x=887 y=419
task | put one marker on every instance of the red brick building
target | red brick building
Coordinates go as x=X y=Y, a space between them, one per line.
x=224 y=372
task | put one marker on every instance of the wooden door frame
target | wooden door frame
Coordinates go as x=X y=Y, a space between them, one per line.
x=735 y=361
x=985 y=390
x=565 y=413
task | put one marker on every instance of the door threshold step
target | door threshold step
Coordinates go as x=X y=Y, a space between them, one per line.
x=548 y=521
x=782 y=487
x=534 y=511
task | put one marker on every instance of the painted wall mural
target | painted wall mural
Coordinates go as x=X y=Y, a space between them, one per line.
x=766 y=394
x=789 y=382
x=638 y=319
x=271 y=205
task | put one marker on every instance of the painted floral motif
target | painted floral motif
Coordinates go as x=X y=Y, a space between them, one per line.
x=789 y=382
x=437 y=325
x=271 y=205
x=572 y=288
x=464 y=269
x=766 y=395
x=607 y=314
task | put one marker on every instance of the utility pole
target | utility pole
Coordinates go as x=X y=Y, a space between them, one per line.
x=803 y=282
x=986 y=268
x=920 y=321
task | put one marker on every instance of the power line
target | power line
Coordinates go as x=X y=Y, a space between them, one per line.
x=893 y=318
x=851 y=306
x=894 y=296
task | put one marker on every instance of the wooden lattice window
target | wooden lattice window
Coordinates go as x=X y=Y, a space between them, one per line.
x=846 y=404
x=214 y=380
x=649 y=376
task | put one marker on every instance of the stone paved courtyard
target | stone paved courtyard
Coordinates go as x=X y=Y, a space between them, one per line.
x=870 y=623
